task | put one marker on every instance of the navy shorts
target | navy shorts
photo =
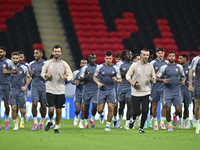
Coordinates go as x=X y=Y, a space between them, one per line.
x=19 y=101
x=170 y=98
x=123 y=95
x=106 y=96
x=38 y=95
x=186 y=96
x=5 y=91
x=78 y=98
x=156 y=96
x=87 y=96
x=196 y=92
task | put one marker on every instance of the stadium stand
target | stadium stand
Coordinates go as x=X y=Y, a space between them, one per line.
x=18 y=28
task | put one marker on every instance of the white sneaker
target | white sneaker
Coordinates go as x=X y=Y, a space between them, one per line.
x=119 y=123
x=126 y=127
x=75 y=121
x=180 y=126
x=188 y=125
x=26 y=118
x=16 y=128
x=81 y=125
x=194 y=123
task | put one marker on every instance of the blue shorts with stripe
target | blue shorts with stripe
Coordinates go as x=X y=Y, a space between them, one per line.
x=106 y=96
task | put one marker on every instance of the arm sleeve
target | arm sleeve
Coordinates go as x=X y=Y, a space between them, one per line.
x=74 y=75
x=131 y=71
x=194 y=63
x=182 y=71
x=82 y=74
x=161 y=71
x=11 y=65
x=68 y=72
x=97 y=70
x=118 y=74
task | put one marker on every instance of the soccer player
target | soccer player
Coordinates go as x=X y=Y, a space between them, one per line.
x=185 y=94
x=78 y=94
x=105 y=76
x=195 y=66
x=157 y=89
x=7 y=67
x=55 y=71
x=38 y=89
x=136 y=57
x=172 y=73
x=140 y=75
x=117 y=59
x=124 y=89
x=19 y=84
x=191 y=57
x=89 y=89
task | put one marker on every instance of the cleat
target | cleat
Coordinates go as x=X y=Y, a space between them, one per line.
x=114 y=124
x=81 y=125
x=194 y=123
x=170 y=128
x=155 y=127
x=16 y=128
x=174 y=119
x=188 y=125
x=101 y=119
x=197 y=129
x=149 y=123
x=75 y=121
x=21 y=126
x=162 y=126
x=56 y=131
x=119 y=123
x=107 y=128
x=7 y=125
x=92 y=124
x=25 y=118
x=141 y=131
x=48 y=126
x=35 y=126
x=126 y=128
x=132 y=124
x=86 y=126
x=145 y=125
x=41 y=127
x=180 y=126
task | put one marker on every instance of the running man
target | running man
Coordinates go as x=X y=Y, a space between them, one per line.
x=55 y=71
x=124 y=89
x=89 y=89
x=7 y=67
x=140 y=75
x=195 y=67
x=78 y=94
x=157 y=89
x=171 y=74
x=136 y=57
x=117 y=59
x=105 y=76
x=19 y=84
x=38 y=89
x=185 y=94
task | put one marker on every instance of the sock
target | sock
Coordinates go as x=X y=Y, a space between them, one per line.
x=120 y=116
x=174 y=115
x=188 y=120
x=35 y=120
x=86 y=121
x=162 y=120
x=51 y=119
x=22 y=120
x=127 y=122
x=169 y=123
x=184 y=121
x=115 y=118
x=81 y=122
x=56 y=126
x=150 y=118
x=140 y=116
x=197 y=122
x=92 y=118
x=155 y=121
x=194 y=117
x=7 y=118
x=102 y=114
x=108 y=124
x=77 y=116
x=42 y=120
x=15 y=122
x=181 y=120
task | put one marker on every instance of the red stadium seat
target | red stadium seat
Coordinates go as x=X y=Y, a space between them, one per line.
x=128 y=15
x=107 y=47
x=81 y=34
x=18 y=8
x=73 y=8
x=162 y=22
x=166 y=34
x=95 y=8
x=93 y=2
x=196 y=52
x=76 y=14
x=79 y=27
x=8 y=14
x=122 y=27
x=102 y=34
x=185 y=52
x=17 y=2
x=164 y=28
x=160 y=45
x=130 y=21
x=83 y=41
x=26 y=2
x=38 y=46
x=5 y=2
x=7 y=7
x=90 y=27
x=94 y=40
x=172 y=47
x=71 y=2
x=168 y=41
x=82 y=2
x=104 y=40
x=119 y=22
x=157 y=41
x=86 y=14
x=92 y=34
x=3 y=27
x=2 y=20
x=100 y=59
x=115 y=40
x=114 y=34
x=124 y=34
x=96 y=47
x=99 y=53
x=86 y=53
x=132 y=28
x=101 y=27
x=85 y=47
x=97 y=15
x=84 y=8
x=88 y=21
x=99 y=21
x=78 y=21
x=118 y=47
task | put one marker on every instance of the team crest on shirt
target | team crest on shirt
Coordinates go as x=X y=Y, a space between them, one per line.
x=149 y=69
x=103 y=72
x=4 y=65
x=124 y=68
x=113 y=72
x=176 y=69
x=186 y=72
x=20 y=72
x=61 y=67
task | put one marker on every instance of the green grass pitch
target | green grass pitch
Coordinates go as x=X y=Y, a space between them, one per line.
x=73 y=138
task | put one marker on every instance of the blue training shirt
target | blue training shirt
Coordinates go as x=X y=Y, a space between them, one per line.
x=76 y=76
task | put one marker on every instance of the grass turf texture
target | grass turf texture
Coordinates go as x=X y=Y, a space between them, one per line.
x=71 y=137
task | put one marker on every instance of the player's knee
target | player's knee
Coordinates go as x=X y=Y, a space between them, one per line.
x=100 y=110
x=51 y=109
x=6 y=104
x=34 y=105
x=58 y=111
x=78 y=110
x=23 y=111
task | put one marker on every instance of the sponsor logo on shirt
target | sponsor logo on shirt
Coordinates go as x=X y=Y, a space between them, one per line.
x=124 y=68
x=176 y=69
x=149 y=69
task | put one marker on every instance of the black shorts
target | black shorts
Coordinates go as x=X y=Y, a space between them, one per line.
x=57 y=101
